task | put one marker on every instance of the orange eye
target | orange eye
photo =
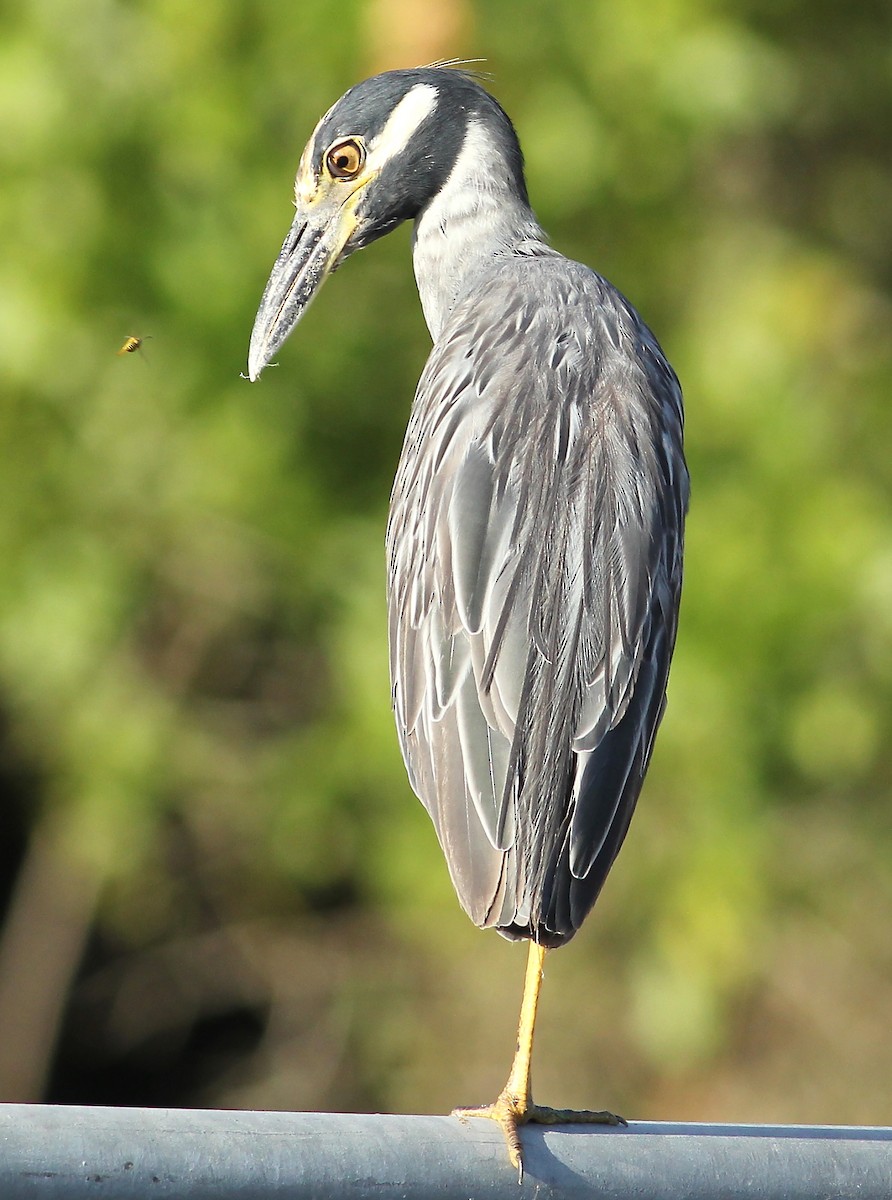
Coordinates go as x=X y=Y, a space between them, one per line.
x=345 y=159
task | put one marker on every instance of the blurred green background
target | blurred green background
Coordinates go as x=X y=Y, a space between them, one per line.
x=218 y=888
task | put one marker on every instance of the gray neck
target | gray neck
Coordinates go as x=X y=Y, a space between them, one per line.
x=475 y=217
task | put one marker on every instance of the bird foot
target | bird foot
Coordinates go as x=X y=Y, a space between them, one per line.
x=510 y=1112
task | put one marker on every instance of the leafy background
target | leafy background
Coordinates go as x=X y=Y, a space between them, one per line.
x=218 y=889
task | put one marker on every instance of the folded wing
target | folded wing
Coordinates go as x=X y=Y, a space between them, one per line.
x=534 y=551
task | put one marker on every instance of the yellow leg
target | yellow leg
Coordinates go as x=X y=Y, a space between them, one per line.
x=514 y=1106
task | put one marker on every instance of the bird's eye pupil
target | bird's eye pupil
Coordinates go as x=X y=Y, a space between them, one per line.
x=345 y=159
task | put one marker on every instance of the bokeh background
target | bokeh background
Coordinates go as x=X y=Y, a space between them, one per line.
x=217 y=887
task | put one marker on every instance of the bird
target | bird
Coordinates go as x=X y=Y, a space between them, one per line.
x=534 y=541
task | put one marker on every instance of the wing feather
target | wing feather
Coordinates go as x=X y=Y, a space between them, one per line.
x=534 y=552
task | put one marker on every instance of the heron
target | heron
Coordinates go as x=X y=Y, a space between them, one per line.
x=535 y=536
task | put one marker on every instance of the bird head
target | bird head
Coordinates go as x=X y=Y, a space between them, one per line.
x=377 y=158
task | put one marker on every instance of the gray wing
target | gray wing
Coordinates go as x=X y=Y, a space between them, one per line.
x=534 y=551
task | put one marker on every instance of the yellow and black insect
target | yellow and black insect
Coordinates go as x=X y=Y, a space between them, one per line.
x=133 y=344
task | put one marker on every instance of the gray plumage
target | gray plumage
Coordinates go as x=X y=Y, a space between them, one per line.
x=534 y=551
x=534 y=544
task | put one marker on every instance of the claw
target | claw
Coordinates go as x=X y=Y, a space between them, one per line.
x=511 y=1111
x=508 y=1113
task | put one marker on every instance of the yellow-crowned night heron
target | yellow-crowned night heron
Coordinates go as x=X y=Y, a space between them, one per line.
x=534 y=544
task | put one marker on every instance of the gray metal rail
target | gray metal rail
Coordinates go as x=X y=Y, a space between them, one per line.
x=69 y=1153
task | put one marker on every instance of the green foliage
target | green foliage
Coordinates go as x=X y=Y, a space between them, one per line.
x=192 y=629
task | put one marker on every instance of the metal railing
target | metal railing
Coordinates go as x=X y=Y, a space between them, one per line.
x=68 y=1152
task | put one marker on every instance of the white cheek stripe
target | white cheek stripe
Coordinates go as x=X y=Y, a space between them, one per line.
x=390 y=142
x=401 y=124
